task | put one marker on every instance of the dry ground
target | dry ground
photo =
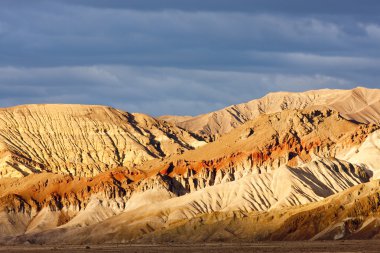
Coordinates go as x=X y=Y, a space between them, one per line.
x=294 y=247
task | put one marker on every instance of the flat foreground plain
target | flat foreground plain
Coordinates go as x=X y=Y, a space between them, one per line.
x=294 y=247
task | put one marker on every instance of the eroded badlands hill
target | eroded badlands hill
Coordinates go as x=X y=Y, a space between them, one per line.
x=266 y=166
x=290 y=167
x=289 y=137
x=83 y=140
x=116 y=214
x=359 y=104
x=351 y=214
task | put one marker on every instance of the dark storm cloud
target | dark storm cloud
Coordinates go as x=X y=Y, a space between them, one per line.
x=183 y=57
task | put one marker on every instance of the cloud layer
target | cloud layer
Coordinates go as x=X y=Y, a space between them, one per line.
x=180 y=57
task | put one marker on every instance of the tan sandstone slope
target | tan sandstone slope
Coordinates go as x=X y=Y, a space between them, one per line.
x=82 y=139
x=360 y=104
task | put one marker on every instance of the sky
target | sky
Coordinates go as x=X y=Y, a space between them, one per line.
x=183 y=57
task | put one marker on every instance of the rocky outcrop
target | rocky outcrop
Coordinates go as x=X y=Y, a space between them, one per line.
x=290 y=138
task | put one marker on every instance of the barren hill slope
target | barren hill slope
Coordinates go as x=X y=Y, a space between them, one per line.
x=159 y=210
x=94 y=174
x=359 y=104
x=276 y=161
x=82 y=140
x=351 y=214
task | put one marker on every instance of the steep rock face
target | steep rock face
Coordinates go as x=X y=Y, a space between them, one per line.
x=359 y=104
x=82 y=140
